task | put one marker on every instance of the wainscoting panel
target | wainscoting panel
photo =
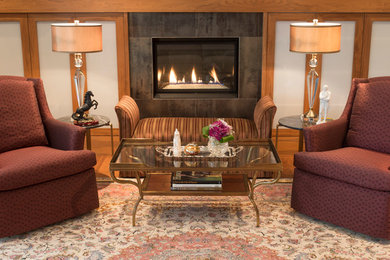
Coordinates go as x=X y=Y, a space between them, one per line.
x=55 y=72
x=337 y=70
x=289 y=74
x=380 y=51
x=103 y=73
x=11 y=54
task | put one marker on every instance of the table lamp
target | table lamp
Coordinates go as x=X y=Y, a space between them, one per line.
x=314 y=38
x=77 y=38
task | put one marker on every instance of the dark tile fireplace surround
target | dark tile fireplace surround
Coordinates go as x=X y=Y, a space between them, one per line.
x=146 y=28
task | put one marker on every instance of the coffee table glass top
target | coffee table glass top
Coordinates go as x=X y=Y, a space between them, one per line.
x=144 y=155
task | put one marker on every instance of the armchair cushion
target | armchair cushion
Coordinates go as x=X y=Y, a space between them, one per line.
x=21 y=125
x=33 y=165
x=367 y=128
x=190 y=128
x=361 y=167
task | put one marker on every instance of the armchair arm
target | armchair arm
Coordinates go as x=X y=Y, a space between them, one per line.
x=264 y=116
x=127 y=112
x=327 y=136
x=64 y=136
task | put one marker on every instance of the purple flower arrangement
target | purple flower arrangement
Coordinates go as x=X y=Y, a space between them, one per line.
x=220 y=130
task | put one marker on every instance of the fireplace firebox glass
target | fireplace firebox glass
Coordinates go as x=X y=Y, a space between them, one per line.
x=195 y=67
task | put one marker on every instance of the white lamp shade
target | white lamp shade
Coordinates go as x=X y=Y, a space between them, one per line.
x=76 y=37
x=315 y=37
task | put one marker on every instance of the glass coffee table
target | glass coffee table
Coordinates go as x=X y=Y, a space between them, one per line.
x=155 y=160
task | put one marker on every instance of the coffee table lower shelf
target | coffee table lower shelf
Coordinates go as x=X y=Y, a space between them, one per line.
x=159 y=184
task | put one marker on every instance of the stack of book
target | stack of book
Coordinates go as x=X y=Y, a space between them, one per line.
x=183 y=180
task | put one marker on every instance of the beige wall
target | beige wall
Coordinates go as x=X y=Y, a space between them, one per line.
x=11 y=56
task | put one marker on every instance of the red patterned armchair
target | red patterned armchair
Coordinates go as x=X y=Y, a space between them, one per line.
x=344 y=175
x=45 y=176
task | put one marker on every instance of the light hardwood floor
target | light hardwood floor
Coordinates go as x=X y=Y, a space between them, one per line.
x=101 y=145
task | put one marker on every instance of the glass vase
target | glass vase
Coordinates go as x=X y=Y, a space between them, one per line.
x=216 y=148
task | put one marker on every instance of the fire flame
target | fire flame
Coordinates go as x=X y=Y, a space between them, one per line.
x=193 y=76
x=172 y=76
x=213 y=74
x=159 y=74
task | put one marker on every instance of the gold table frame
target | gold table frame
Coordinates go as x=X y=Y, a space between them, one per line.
x=157 y=182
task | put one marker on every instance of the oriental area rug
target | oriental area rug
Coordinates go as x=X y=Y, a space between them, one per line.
x=193 y=228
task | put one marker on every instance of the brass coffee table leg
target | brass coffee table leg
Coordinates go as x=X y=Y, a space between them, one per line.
x=252 y=199
x=138 y=184
x=141 y=195
x=253 y=185
x=272 y=181
x=135 y=209
x=256 y=209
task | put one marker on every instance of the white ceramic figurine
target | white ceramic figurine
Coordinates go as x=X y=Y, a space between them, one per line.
x=324 y=104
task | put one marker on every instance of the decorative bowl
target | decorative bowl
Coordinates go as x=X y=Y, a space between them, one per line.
x=191 y=149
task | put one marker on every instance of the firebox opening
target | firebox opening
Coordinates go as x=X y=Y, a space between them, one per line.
x=195 y=67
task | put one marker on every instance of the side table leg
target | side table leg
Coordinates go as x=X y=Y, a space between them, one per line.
x=112 y=140
x=277 y=136
x=300 y=142
x=88 y=138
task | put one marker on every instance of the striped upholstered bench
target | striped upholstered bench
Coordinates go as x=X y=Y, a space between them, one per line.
x=190 y=128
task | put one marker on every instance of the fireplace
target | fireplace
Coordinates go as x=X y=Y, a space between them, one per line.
x=239 y=35
x=195 y=67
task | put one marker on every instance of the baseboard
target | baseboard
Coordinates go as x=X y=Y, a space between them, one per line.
x=104 y=132
x=286 y=133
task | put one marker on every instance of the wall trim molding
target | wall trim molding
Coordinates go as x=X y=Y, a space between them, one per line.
x=61 y=6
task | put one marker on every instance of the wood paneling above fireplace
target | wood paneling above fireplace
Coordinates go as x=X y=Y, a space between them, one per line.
x=23 y=6
x=247 y=28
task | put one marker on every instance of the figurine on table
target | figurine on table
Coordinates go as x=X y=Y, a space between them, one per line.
x=324 y=104
x=80 y=116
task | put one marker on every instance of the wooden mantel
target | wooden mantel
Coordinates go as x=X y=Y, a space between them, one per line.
x=56 y=6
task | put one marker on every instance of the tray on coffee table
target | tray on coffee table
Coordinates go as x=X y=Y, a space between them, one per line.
x=204 y=153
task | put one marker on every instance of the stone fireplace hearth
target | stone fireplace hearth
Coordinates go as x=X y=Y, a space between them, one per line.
x=158 y=95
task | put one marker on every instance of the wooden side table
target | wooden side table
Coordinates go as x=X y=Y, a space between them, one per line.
x=293 y=122
x=103 y=121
